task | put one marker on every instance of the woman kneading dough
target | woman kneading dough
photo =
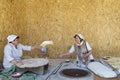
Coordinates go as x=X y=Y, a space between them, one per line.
x=13 y=51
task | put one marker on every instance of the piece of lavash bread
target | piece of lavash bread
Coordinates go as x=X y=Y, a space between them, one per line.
x=101 y=70
x=45 y=43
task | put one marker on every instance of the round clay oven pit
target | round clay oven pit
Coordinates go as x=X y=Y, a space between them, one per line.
x=74 y=74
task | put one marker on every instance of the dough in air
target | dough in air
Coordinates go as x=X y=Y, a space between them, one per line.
x=45 y=43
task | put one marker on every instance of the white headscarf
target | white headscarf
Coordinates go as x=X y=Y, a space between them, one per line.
x=80 y=35
x=11 y=37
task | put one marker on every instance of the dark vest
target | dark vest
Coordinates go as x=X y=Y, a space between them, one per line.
x=80 y=50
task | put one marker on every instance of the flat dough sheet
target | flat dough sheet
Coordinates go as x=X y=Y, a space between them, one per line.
x=34 y=62
x=101 y=70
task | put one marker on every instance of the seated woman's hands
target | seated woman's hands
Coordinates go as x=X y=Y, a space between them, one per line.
x=16 y=63
x=19 y=64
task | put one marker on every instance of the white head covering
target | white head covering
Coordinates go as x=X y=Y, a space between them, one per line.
x=11 y=37
x=79 y=35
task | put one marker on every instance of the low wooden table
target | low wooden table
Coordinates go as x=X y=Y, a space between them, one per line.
x=36 y=65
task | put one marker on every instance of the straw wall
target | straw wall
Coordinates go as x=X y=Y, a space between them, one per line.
x=58 y=20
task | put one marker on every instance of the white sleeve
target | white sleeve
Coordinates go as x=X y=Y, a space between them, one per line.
x=8 y=53
x=25 y=47
x=88 y=46
x=72 y=49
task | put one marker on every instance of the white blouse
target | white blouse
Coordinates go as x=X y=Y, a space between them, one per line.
x=72 y=50
x=11 y=53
